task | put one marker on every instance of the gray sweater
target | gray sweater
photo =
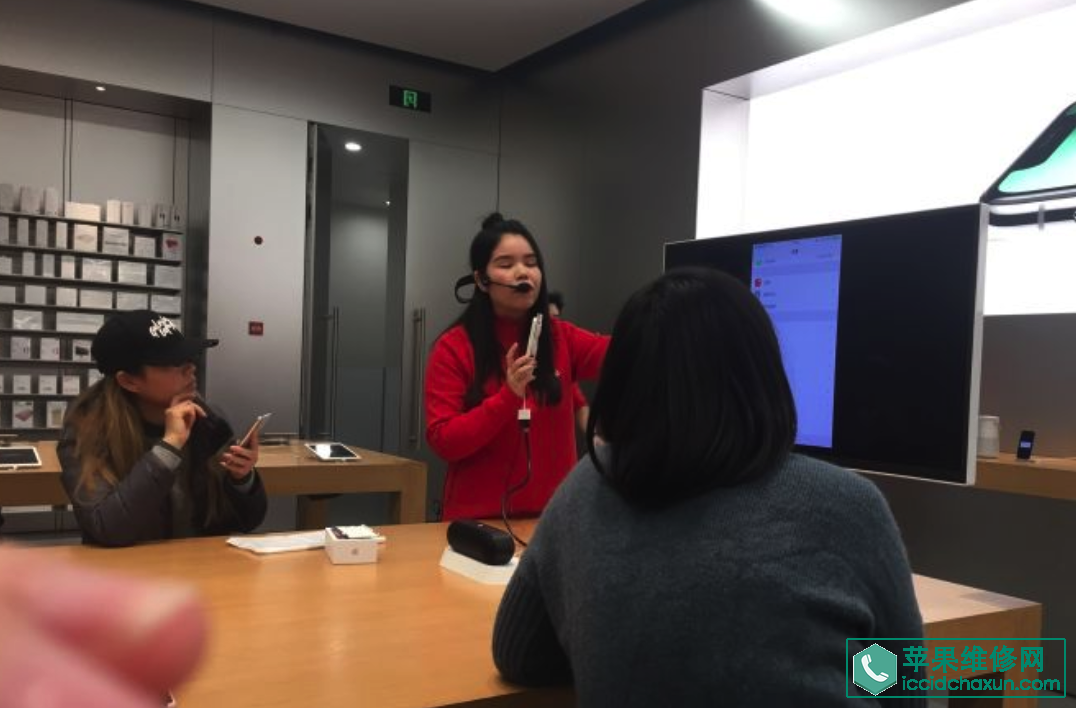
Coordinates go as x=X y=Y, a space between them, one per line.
x=741 y=597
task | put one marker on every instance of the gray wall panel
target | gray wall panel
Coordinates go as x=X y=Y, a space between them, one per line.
x=31 y=140
x=119 y=154
x=298 y=73
x=258 y=188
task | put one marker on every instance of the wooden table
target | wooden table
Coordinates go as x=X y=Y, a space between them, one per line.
x=294 y=630
x=1051 y=477
x=286 y=470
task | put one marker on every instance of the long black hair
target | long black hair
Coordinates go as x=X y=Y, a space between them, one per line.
x=478 y=319
x=693 y=393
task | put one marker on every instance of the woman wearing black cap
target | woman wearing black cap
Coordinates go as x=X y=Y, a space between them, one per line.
x=139 y=452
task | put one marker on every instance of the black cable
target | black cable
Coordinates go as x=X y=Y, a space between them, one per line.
x=525 y=425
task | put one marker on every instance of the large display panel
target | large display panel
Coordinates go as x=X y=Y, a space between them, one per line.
x=880 y=323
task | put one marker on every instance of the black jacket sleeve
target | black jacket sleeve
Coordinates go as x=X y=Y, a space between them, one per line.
x=123 y=514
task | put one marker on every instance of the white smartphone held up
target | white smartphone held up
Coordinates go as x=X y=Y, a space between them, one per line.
x=255 y=428
x=536 y=331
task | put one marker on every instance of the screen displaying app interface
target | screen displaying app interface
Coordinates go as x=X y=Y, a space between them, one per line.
x=798 y=282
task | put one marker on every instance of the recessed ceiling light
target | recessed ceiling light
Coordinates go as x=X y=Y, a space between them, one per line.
x=818 y=13
x=352 y=147
x=388 y=203
x=100 y=88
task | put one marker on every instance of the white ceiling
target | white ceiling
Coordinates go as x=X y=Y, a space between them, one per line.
x=486 y=34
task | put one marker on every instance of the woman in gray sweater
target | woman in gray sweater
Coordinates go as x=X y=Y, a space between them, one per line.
x=694 y=560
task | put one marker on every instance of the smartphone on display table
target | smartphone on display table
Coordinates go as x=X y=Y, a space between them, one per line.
x=255 y=428
x=332 y=452
x=1024 y=445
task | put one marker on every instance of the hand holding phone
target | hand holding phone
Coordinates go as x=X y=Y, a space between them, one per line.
x=536 y=331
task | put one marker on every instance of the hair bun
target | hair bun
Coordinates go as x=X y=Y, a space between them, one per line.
x=492 y=220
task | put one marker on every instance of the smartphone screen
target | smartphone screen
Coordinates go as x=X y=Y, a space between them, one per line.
x=1047 y=167
x=1023 y=447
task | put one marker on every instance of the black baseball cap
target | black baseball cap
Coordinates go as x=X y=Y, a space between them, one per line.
x=127 y=341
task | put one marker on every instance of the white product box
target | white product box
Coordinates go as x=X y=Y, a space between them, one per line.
x=50 y=349
x=81 y=350
x=20 y=348
x=145 y=246
x=127 y=213
x=349 y=545
x=30 y=200
x=115 y=241
x=113 y=211
x=97 y=270
x=96 y=299
x=48 y=265
x=29 y=264
x=162 y=217
x=7 y=197
x=7 y=294
x=131 y=273
x=54 y=413
x=5 y=229
x=67 y=267
x=132 y=301
x=22 y=414
x=172 y=247
x=41 y=233
x=46 y=385
x=27 y=319
x=144 y=215
x=85 y=238
x=168 y=276
x=52 y=201
x=79 y=322
x=62 y=235
x=22 y=232
x=87 y=212
x=1 y=383
x=72 y=384
x=20 y=383
x=6 y=265
x=66 y=297
x=165 y=304
x=33 y=294
x=93 y=376
x=177 y=218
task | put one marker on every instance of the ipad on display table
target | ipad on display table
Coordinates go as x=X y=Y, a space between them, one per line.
x=19 y=456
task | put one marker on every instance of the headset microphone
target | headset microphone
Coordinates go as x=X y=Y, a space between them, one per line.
x=523 y=287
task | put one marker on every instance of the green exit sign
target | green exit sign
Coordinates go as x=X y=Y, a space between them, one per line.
x=411 y=99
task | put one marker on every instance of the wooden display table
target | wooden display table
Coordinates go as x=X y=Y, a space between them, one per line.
x=294 y=630
x=286 y=470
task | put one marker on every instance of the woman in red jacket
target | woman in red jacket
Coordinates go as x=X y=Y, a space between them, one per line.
x=479 y=378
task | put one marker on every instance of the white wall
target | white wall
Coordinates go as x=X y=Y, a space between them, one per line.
x=258 y=188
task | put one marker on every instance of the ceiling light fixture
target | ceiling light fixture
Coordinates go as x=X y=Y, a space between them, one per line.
x=388 y=203
x=816 y=13
x=352 y=147
x=100 y=88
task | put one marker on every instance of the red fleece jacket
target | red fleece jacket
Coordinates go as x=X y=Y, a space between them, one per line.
x=484 y=446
